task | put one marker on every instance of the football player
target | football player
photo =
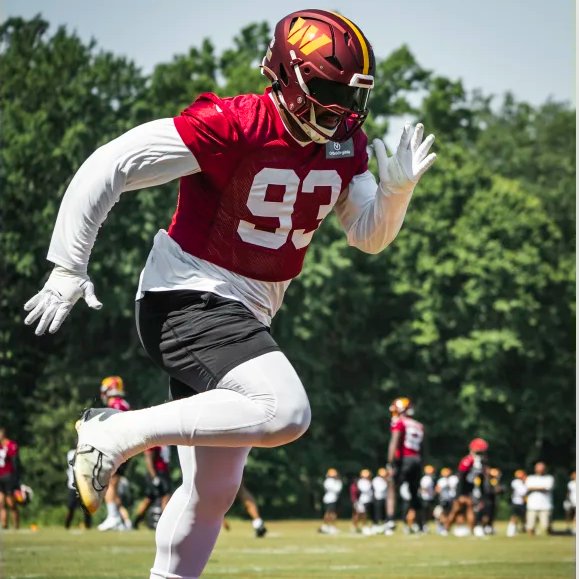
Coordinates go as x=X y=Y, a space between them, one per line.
x=365 y=501
x=518 y=503
x=491 y=489
x=158 y=481
x=445 y=490
x=8 y=480
x=471 y=475
x=427 y=494
x=258 y=173
x=112 y=392
x=332 y=489
x=380 y=489
x=404 y=461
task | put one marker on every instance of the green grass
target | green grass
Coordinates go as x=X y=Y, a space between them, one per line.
x=291 y=549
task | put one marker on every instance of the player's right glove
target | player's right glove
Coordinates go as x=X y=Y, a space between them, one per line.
x=156 y=482
x=55 y=300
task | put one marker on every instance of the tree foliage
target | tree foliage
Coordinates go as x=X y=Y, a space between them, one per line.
x=470 y=311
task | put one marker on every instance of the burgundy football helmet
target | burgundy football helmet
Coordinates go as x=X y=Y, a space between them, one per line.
x=319 y=58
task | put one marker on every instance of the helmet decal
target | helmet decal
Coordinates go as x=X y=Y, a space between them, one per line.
x=308 y=36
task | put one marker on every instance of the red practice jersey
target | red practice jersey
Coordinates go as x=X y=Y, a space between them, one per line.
x=260 y=195
x=160 y=458
x=466 y=463
x=411 y=436
x=8 y=452
x=118 y=403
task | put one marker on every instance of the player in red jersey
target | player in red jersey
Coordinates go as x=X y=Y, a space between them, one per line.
x=258 y=175
x=404 y=462
x=8 y=480
x=158 y=482
x=112 y=393
x=471 y=470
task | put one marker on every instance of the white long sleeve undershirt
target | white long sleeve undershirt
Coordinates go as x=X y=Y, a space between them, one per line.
x=153 y=154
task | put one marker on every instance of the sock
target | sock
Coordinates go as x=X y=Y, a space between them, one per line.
x=257 y=523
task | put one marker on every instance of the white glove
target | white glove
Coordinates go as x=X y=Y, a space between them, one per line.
x=53 y=302
x=401 y=172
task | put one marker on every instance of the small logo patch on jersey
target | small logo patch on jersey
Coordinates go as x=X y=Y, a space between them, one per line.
x=339 y=150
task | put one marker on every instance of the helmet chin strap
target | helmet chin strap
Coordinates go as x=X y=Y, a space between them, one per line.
x=316 y=137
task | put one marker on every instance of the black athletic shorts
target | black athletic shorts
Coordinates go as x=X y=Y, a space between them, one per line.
x=8 y=484
x=161 y=490
x=197 y=337
x=518 y=511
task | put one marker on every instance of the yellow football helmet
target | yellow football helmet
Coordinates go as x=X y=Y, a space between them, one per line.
x=112 y=386
x=401 y=406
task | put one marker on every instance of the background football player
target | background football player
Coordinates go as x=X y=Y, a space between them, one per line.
x=214 y=281
x=445 y=490
x=404 y=461
x=8 y=480
x=427 y=494
x=518 y=503
x=470 y=474
x=112 y=393
x=332 y=490
x=380 y=490
x=157 y=461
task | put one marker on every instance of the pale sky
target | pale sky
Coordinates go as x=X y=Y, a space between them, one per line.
x=523 y=46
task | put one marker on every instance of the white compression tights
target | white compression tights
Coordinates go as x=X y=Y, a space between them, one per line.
x=259 y=403
x=192 y=519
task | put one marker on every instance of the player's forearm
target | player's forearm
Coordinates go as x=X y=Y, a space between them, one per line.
x=372 y=217
x=146 y=156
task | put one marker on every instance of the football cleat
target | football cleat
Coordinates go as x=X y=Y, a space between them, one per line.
x=92 y=468
x=260 y=531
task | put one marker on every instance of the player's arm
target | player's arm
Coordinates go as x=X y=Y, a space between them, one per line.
x=146 y=156
x=395 y=439
x=372 y=214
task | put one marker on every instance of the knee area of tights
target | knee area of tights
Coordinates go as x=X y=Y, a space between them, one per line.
x=287 y=426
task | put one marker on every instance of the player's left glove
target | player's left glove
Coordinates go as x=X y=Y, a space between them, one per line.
x=401 y=172
x=53 y=302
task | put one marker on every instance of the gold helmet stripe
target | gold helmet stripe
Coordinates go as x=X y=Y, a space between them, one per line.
x=363 y=43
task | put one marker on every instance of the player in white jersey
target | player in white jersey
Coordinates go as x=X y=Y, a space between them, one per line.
x=380 y=490
x=518 y=503
x=213 y=282
x=332 y=490
x=427 y=494
x=365 y=500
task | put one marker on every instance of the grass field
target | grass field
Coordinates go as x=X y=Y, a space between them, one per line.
x=291 y=549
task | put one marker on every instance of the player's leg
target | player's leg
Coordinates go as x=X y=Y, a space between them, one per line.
x=141 y=511
x=113 y=519
x=14 y=512
x=261 y=402
x=391 y=499
x=71 y=505
x=252 y=510
x=3 y=513
x=189 y=526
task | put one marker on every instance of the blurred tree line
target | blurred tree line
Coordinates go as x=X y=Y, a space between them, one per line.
x=470 y=312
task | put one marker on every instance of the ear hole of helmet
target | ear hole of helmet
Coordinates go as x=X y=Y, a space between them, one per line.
x=335 y=62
